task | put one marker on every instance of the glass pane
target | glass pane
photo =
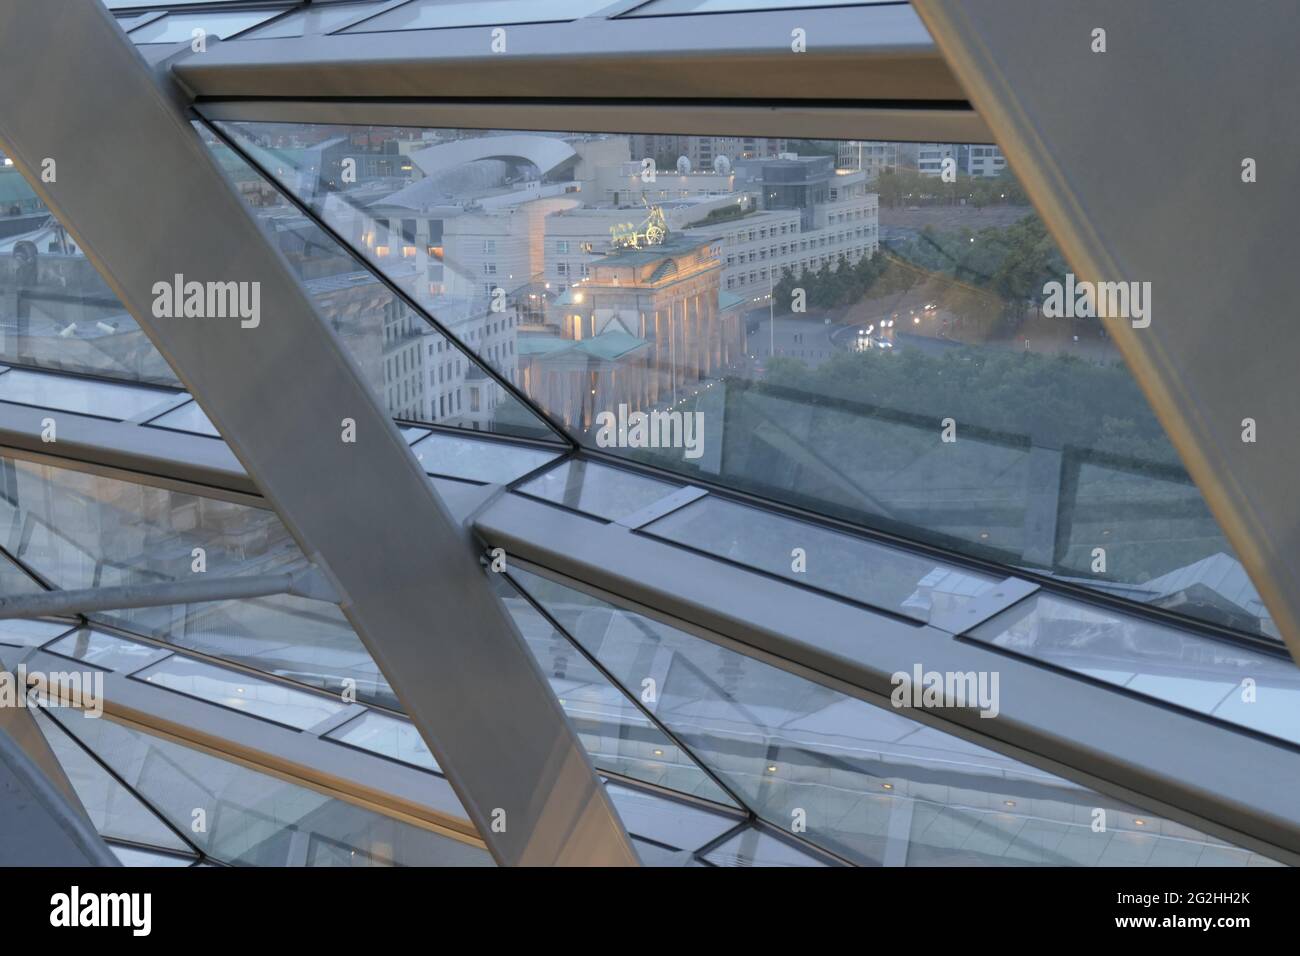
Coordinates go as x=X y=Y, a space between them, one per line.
x=417 y=373
x=670 y=822
x=652 y=854
x=325 y=851
x=81 y=395
x=218 y=685
x=868 y=784
x=658 y=7
x=22 y=633
x=618 y=737
x=176 y=26
x=134 y=856
x=831 y=325
x=427 y=14
x=496 y=462
x=114 y=810
x=100 y=649
x=80 y=531
x=753 y=847
x=121 y=4
x=1250 y=688
x=599 y=490
x=129 y=22
x=387 y=736
x=188 y=418
x=840 y=564
x=310 y=642
x=321 y=19
x=252 y=818
x=55 y=309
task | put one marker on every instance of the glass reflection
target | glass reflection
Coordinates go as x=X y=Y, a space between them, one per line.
x=432 y=14
x=255 y=819
x=114 y=810
x=1249 y=688
x=418 y=374
x=242 y=692
x=753 y=847
x=596 y=489
x=176 y=27
x=840 y=564
x=188 y=418
x=55 y=310
x=669 y=822
x=874 y=787
x=387 y=736
x=100 y=649
x=839 y=326
x=496 y=462
x=659 y=7
x=81 y=395
x=79 y=530
x=618 y=737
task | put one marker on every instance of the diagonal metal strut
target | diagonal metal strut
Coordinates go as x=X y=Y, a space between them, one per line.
x=1137 y=170
x=148 y=203
x=308 y=583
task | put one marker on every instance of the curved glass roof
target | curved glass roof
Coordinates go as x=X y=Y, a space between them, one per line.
x=753 y=472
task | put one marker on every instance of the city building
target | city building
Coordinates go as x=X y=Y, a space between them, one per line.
x=809 y=215
x=873 y=158
x=984 y=161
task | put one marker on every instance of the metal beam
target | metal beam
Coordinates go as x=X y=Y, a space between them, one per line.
x=1134 y=156
x=282 y=393
x=879 y=53
x=307 y=759
x=308 y=583
x=1135 y=749
x=124 y=446
x=683 y=118
x=160 y=457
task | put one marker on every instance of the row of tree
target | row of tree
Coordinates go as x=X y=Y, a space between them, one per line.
x=832 y=285
x=908 y=187
x=989 y=279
